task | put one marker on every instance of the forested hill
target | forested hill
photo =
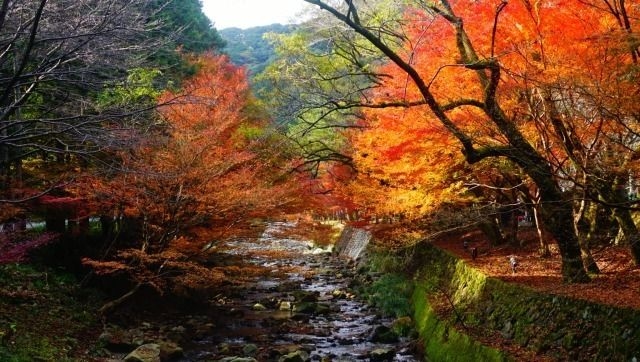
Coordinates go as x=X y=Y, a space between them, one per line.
x=247 y=46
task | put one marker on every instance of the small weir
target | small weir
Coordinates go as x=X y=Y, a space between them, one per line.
x=352 y=242
x=300 y=311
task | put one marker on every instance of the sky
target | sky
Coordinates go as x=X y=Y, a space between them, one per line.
x=248 y=13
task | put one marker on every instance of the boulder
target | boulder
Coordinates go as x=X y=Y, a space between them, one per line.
x=383 y=334
x=305 y=307
x=250 y=350
x=285 y=305
x=312 y=308
x=305 y=296
x=170 y=351
x=145 y=353
x=224 y=348
x=177 y=333
x=116 y=340
x=381 y=354
x=402 y=326
x=258 y=307
x=339 y=294
x=297 y=356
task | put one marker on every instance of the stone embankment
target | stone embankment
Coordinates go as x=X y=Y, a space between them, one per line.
x=452 y=302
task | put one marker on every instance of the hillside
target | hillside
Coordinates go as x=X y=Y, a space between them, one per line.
x=248 y=48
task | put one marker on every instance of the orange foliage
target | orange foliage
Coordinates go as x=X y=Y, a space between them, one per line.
x=205 y=173
x=201 y=181
x=572 y=50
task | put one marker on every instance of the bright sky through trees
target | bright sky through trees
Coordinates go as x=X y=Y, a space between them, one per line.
x=248 y=13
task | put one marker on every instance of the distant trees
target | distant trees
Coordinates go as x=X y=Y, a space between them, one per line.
x=249 y=48
x=185 y=26
x=185 y=29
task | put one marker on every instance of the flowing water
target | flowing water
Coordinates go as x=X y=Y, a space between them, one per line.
x=305 y=306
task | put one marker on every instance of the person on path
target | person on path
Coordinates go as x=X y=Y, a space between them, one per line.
x=513 y=262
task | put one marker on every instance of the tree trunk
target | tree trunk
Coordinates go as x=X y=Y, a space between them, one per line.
x=491 y=230
x=558 y=218
x=587 y=258
x=582 y=226
x=509 y=225
x=544 y=250
x=630 y=231
x=614 y=193
x=557 y=213
x=55 y=222
x=556 y=210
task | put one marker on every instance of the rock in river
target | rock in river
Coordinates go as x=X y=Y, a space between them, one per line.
x=145 y=353
x=297 y=356
x=381 y=354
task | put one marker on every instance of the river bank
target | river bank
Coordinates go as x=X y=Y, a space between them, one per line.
x=463 y=314
x=285 y=300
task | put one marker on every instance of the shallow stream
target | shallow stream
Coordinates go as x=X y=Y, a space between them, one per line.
x=303 y=306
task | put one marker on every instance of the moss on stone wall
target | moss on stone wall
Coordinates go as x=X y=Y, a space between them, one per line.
x=556 y=326
x=565 y=328
x=442 y=342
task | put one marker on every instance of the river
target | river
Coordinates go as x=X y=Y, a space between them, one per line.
x=301 y=309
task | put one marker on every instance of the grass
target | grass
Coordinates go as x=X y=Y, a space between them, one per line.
x=44 y=315
x=391 y=293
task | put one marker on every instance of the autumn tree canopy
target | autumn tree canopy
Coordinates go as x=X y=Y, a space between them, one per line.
x=203 y=179
x=79 y=88
x=495 y=79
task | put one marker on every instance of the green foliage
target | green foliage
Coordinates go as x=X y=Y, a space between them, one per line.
x=251 y=132
x=391 y=293
x=197 y=34
x=31 y=348
x=442 y=341
x=187 y=27
x=248 y=47
x=42 y=317
x=139 y=88
x=311 y=85
x=388 y=262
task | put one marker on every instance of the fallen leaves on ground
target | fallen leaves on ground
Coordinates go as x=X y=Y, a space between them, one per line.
x=617 y=285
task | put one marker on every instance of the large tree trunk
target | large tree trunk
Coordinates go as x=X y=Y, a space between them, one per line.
x=558 y=216
x=582 y=227
x=631 y=233
x=557 y=213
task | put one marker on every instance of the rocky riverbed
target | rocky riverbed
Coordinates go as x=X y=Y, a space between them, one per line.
x=301 y=309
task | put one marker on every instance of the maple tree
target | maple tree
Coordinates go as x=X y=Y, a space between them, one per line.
x=537 y=69
x=570 y=88
x=475 y=81
x=200 y=181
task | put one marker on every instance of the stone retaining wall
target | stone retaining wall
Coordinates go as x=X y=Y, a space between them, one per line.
x=565 y=328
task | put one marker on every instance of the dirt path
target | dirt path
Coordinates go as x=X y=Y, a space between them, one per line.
x=617 y=285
